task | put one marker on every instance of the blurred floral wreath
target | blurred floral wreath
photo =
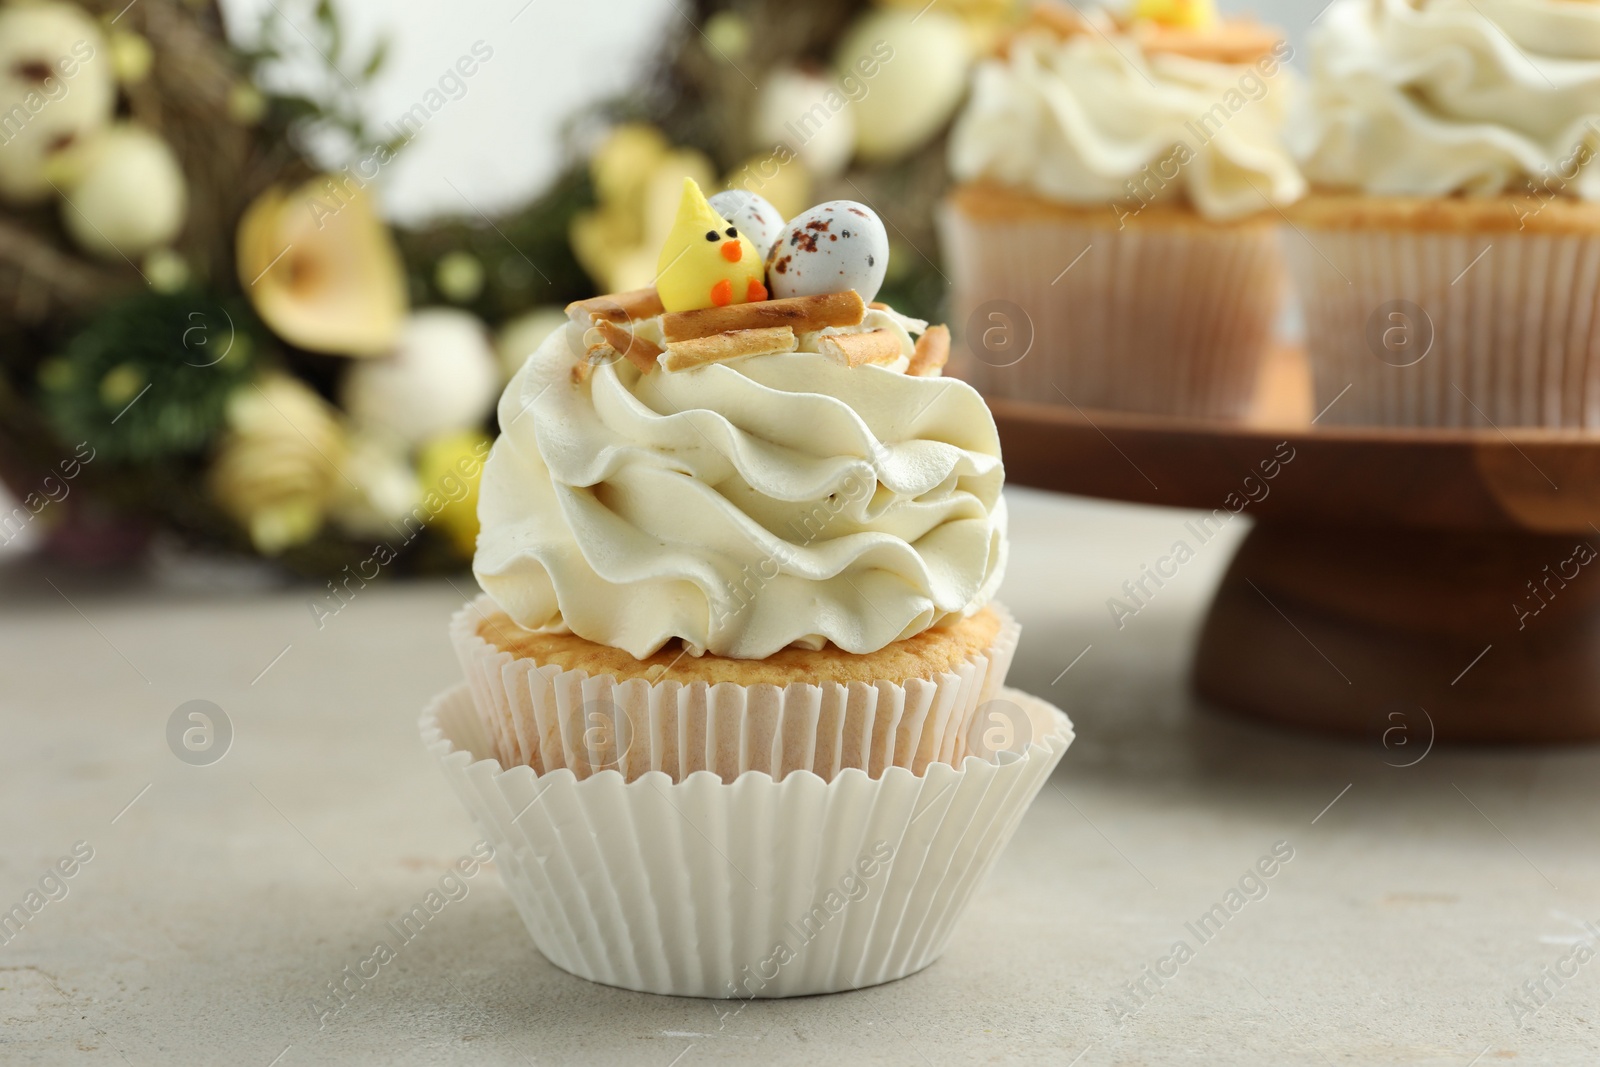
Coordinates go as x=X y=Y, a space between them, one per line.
x=232 y=349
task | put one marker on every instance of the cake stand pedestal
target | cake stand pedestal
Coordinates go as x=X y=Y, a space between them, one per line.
x=1390 y=573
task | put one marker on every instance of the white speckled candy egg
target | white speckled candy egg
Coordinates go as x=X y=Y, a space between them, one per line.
x=832 y=247
x=751 y=214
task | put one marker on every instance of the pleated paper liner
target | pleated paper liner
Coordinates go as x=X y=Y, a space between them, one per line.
x=1452 y=328
x=549 y=718
x=755 y=888
x=1169 y=315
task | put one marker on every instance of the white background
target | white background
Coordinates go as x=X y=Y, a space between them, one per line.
x=499 y=143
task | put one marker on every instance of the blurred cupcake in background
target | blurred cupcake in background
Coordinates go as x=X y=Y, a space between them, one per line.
x=1452 y=245
x=1112 y=239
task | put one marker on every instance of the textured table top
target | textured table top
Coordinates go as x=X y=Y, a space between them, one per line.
x=1428 y=914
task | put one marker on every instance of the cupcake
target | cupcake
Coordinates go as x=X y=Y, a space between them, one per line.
x=1452 y=239
x=1112 y=237
x=740 y=540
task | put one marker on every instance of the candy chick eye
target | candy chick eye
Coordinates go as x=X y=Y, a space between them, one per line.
x=732 y=232
x=711 y=235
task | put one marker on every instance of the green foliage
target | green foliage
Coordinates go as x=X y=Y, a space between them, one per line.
x=526 y=257
x=918 y=291
x=149 y=377
x=335 y=102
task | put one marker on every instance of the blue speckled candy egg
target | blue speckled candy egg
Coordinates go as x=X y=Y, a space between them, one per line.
x=752 y=214
x=832 y=247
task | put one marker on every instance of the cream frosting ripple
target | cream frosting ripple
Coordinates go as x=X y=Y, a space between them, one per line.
x=1468 y=96
x=741 y=507
x=1089 y=119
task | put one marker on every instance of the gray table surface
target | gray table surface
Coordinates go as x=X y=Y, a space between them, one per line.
x=221 y=900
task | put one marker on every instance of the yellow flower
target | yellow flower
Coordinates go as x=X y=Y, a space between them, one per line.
x=131 y=57
x=638 y=178
x=246 y=105
x=1185 y=14
x=321 y=268
x=449 y=468
x=779 y=176
x=277 y=469
x=728 y=34
x=623 y=162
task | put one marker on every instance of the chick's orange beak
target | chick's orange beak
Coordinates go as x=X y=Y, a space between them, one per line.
x=732 y=251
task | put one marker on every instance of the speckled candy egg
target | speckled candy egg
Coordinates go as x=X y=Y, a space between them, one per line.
x=833 y=247
x=752 y=215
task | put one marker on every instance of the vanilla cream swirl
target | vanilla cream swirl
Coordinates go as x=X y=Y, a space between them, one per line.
x=1087 y=120
x=1447 y=96
x=742 y=507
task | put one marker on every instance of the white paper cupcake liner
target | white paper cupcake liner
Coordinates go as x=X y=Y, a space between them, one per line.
x=758 y=888
x=550 y=718
x=1512 y=319
x=1173 y=320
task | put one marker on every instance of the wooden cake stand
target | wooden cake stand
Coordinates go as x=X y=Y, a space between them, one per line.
x=1389 y=571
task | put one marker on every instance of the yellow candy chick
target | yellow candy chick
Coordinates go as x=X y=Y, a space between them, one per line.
x=1182 y=14
x=705 y=262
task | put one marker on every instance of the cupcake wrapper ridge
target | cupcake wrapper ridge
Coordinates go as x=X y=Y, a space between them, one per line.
x=755 y=888
x=550 y=718
x=1173 y=320
x=1503 y=327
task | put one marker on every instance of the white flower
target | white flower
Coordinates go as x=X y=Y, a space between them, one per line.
x=441 y=377
x=913 y=69
x=809 y=114
x=518 y=338
x=56 y=87
x=123 y=192
x=379 y=488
